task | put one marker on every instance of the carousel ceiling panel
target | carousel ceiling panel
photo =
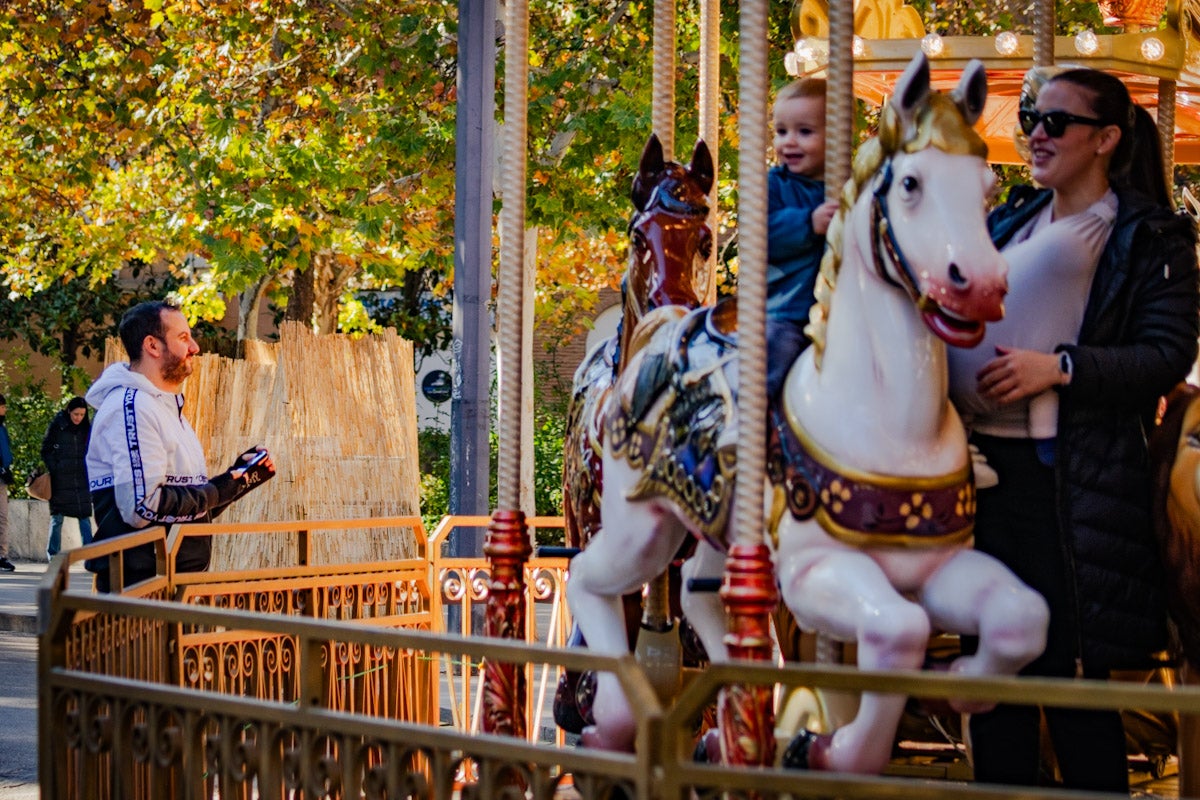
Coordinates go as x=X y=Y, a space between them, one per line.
x=1004 y=90
x=1160 y=42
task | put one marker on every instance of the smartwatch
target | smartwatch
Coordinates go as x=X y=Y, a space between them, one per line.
x=1065 y=368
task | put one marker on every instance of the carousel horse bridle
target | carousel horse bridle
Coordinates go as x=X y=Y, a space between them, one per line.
x=884 y=238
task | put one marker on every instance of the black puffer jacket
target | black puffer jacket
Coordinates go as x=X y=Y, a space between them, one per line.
x=1138 y=339
x=64 y=452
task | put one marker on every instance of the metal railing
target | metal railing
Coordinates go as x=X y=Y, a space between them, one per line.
x=342 y=681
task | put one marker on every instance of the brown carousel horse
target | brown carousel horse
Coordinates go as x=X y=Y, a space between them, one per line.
x=670 y=243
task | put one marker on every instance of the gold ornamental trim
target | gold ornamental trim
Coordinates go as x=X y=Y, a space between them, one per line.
x=888 y=482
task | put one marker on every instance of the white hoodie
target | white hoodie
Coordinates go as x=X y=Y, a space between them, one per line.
x=146 y=466
x=141 y=443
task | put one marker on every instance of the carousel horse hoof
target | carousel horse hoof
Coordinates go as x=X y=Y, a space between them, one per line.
x=708 y=748
x=573 y=699
x=807 y=750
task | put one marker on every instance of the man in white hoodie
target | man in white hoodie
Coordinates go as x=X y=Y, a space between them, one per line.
x=144 y=463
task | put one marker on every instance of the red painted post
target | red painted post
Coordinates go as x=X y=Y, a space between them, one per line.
x=508 y=549
x=746 y=714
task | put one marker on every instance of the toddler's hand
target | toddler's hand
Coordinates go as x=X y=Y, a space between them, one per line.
x=822 y=215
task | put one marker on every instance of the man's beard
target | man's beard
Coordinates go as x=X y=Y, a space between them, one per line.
x=175 y=369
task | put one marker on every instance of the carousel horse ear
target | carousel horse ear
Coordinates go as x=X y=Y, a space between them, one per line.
x=971 y=94
x=1191 y=204
x=912 y=90
x=650 y=167
x=701 y=167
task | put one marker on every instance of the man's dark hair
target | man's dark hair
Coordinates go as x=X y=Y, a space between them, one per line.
x=144 y=319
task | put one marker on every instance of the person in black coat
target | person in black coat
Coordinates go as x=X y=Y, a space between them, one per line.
x=64 y=451
x=1070 y=514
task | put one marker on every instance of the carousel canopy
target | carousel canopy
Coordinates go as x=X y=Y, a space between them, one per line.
x=1157 y=54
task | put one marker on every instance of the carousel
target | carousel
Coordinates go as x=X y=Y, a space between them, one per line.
x=667 y=432
x=686 y=497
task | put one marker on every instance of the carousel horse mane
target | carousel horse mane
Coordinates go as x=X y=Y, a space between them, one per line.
x=940 y=124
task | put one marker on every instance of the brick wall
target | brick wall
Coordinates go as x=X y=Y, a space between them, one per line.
x=558 y=366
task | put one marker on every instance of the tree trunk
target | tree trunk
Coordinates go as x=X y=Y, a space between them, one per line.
x=326 y=294
x=249 y=300
x=300 y=303
x=331 y=279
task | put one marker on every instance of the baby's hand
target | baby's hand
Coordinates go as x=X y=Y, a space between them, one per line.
x=822 y=215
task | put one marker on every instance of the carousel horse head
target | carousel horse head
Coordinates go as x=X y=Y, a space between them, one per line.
x=914 y=204
x=669 y=246
x=669 y=237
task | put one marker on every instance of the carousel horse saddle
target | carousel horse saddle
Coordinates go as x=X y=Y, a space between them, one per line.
x=670 y=419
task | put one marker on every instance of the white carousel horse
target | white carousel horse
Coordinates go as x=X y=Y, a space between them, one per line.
x=881 y=555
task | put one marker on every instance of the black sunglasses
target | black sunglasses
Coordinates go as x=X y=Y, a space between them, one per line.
x=1054 y=123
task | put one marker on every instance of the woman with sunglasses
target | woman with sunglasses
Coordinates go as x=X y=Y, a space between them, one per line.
x=1101 y=320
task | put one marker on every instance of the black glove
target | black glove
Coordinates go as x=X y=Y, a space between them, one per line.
x=228 y=487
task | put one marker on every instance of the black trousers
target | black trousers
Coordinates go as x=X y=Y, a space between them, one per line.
x=1017 y=523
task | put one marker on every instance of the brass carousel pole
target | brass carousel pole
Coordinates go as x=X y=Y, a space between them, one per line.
x=1166 y=128
x=662 y=110
x=745 y=714
x=507 y=546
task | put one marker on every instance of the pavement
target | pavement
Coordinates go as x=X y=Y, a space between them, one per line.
x=18 y=689
x=18 y=597
x=18 y=594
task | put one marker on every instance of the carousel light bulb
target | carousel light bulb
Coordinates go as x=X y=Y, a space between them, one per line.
x=790 y=63
x=1086 y=43
x=804 y=50
x=858 y=47
x=932 y=45
x=1006 y=43
x=1153 y=49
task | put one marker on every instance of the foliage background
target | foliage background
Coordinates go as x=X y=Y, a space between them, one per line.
x=30 y=410
x=301 y=155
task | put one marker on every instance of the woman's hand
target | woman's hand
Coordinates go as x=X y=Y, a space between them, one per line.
x=1017 y=374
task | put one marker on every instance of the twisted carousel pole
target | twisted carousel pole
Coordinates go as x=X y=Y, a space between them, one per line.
x=710 y=96
x=662 y=109
x=839 y=140
x=1166 y=128
x=656 y=605
x=745 y=714
x=507 y=546
x=1043 y=33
